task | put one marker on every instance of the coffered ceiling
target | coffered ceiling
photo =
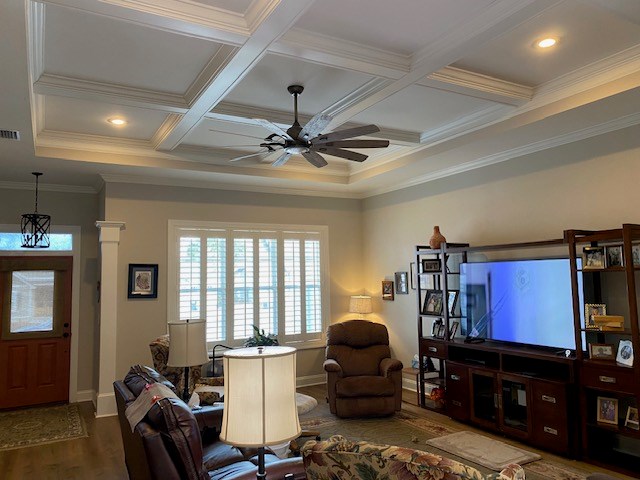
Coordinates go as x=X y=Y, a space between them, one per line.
x=454 y=86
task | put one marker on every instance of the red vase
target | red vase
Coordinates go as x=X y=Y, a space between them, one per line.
x=437 y=238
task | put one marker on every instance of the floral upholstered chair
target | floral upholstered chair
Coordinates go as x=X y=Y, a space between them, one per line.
x=160 y=354
x=340 y=459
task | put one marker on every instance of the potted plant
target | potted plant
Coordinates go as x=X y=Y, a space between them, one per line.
x=261 y=339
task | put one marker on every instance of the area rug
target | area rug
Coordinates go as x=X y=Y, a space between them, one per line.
x=405 y=429
x=483 y=450
x=37 y=426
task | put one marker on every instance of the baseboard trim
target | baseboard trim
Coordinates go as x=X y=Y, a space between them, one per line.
x=106 y=405
x=310 y=380
x=86 y=396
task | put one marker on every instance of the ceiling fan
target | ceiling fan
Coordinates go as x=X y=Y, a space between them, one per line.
x=308 y=140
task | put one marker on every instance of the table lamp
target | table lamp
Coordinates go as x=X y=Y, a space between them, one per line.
x=187 y=348
x=360 y=304
x=260 y=399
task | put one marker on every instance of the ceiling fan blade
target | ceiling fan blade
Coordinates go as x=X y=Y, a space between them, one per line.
x=338 y=152
x=272 y=127
x=281 y=160
x=251 y=155
x=357 y=144
x=346 y=133
x=315 y=126
x=315 y=159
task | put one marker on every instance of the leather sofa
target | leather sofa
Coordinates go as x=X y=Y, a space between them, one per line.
x=362 y=378
x=173 y=443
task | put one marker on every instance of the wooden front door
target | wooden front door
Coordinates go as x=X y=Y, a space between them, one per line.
x=35 y=342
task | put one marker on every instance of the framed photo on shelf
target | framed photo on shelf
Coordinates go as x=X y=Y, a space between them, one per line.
x=614 y=256
x=432 y=303
x=635 y=253
x=632 y=420
x=607 y=410
x=591 y=309
x=439 y=330
x=453 y=329
x=452 y=300
x=387 y=290
x=402 y=283
x=625 y=353
x=143 y=280
x=593 y=258
x=601 y=351
x=431 y=265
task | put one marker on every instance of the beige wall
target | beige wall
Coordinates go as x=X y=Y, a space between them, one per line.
x=594 y=186
x=146 y=211
x=70 y=209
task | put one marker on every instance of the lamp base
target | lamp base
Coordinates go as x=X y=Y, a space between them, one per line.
x=185 y=392
x=262 y=473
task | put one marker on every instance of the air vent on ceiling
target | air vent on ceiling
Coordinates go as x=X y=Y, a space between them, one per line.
x=10 y=134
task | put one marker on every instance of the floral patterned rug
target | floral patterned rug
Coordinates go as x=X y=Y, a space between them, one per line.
x=37 y=426
x=407 y=430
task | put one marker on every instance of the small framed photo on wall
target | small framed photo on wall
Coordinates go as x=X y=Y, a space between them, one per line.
x=402 y=287
x=387 y=290
x=143 y=280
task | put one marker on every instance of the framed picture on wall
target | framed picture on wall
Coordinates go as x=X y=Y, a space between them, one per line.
x=143 y=280
x=387 y=289
x=402 y=287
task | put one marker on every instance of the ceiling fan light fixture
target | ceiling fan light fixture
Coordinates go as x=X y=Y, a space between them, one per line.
x=34 y=227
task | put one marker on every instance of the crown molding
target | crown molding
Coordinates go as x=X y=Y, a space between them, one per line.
x=463 y=125
x=258 y=11
x=165 y=129
x=35 y=25
x=169 y=182
x=197 y=20
x=340 y=53
x=500 y=90
x=585 y=78
x=214 y=66
x=96 y=143
x=48 y=187
x=369 y=88
x=50 y=84
x=505 y=155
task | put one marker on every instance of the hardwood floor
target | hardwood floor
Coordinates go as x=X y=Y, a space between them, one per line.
x=100 y=456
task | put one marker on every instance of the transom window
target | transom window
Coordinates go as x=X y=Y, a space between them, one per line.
x=240 y=276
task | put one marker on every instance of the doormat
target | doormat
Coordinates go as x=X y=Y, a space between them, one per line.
x=483 y=450
x=37 y=426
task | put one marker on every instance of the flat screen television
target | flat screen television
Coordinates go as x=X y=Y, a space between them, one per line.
x=519 y=301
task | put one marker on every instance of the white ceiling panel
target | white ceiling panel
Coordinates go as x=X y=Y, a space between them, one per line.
x=80 y=116
x=220 y=134
x=80 y=44
x=419 y=109
x=387 y=25
x=266 y=85
x=585 y=34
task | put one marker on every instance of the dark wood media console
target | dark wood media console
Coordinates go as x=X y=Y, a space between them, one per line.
x=521 y=391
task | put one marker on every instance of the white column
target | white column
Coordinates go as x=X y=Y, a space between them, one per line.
x=109 y=240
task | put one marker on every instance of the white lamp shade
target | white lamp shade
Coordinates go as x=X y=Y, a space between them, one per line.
x=360 y=304
x=260 y=396
x=187 y=344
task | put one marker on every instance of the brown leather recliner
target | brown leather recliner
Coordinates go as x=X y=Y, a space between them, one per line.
x=169 y=443
x=362 y=378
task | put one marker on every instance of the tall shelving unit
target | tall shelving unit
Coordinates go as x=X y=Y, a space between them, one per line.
x=608 y=438
x=431 y=345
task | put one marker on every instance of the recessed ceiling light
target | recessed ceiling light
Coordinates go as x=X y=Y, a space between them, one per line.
x=547 y=42
x=117 y=121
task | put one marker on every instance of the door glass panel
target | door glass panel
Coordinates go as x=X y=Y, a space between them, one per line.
x=514 y=403
x=31 y=301
x=484 y=401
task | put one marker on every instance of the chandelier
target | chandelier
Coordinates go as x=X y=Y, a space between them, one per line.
x=35 y=226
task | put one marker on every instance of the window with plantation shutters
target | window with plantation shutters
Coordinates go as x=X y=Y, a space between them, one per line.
x=239 y=276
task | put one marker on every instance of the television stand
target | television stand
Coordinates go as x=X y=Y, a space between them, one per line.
x=520 y=391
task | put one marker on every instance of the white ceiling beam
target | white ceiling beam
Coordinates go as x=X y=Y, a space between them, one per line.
x=234 y=70
x=323 y=50
x=500 y=17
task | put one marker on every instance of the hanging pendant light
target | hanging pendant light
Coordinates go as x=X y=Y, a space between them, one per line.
x=35 y=226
